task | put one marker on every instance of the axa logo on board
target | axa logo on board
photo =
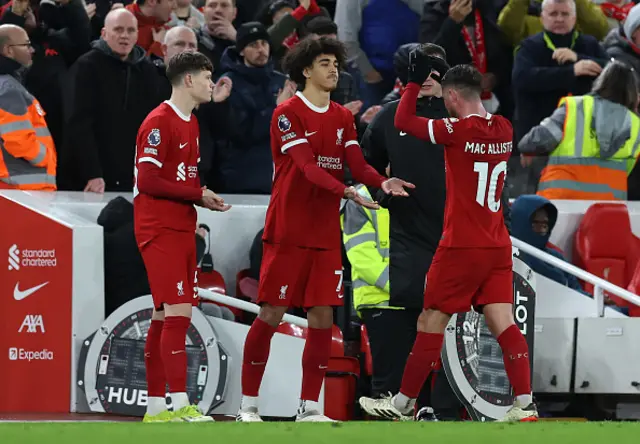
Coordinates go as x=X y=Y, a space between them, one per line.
x=21 y=258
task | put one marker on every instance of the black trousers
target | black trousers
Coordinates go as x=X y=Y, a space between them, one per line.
x=391 y=337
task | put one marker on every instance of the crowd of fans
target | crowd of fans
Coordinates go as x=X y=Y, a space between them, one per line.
x=95 y=69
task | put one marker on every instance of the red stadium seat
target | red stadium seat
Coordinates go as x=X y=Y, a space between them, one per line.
x=213 y=281
x=365 y=349
x=634 y=287
x=605 y=246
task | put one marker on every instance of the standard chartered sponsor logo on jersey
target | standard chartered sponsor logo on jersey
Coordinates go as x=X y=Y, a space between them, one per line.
x=19 y=258
x=330 y=163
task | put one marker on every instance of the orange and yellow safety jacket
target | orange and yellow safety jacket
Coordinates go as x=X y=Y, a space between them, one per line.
x=27 y=151
x=599 y=147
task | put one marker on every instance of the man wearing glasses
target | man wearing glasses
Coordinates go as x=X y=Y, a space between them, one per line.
x=29 y=155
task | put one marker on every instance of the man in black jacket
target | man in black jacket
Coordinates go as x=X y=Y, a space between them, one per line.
x=114 y=87
x=415 y=224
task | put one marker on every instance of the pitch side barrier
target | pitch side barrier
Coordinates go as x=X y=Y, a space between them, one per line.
x=53 y=313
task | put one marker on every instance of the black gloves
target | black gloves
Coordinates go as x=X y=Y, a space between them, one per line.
x=422 y=65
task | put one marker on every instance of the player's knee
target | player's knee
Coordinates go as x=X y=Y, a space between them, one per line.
x=183 y=310
x=432 y=321
x=498 y=317
x=157 y=315
x=271 y=314
x=320 y=317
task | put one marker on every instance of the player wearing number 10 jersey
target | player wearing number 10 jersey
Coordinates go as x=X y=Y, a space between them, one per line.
x=472 y=264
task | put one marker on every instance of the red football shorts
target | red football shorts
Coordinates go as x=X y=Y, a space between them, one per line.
x=170 y=260
x=461 y=278
x=300 y=277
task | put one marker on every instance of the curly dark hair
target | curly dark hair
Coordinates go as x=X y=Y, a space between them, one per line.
x=185 y=63
x=305 y=53
x=464 y=78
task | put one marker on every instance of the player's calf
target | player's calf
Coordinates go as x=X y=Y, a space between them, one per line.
x=156 y=382
x=254 y=360
x=515 y=354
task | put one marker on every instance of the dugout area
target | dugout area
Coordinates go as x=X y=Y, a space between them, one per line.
x=377 y=432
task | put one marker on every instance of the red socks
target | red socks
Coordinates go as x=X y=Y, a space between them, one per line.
x=156 y=382
x=315 y=360
x=422 y=359
x=174 y=354
x=515 y=353
x=255 y=356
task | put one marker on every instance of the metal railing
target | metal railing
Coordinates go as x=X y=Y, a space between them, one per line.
x=246 y=306
x=599 y=284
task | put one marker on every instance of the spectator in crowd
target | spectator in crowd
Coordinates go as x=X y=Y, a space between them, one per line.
x=28 y=160
x=615 y=10
x=623 y=43
x=372 y=31
x=532 y=221
x=286 y=25
x=59 y=33
x=218 y=32
x=243 y=163
x=152 y=16
x=97 y=10
x=186 y=14
x=520 y=19
x=114 y=88
x=468 y=31
x=552 y=64
x=177 y=39
x=591 y=140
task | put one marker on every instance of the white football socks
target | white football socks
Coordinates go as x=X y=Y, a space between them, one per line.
x=248 y=402
x=403 y=403
x=523 y=400
x=156 y=405
x=179 y=400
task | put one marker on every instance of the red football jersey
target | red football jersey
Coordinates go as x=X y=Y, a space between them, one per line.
x=301 y=213
x=169 y=140
x=476 y=153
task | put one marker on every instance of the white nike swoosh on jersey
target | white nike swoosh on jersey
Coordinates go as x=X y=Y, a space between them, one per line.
x=402 y=133
x=182 y=145
x=20 y=295
x=175 y=352
x=307 y=134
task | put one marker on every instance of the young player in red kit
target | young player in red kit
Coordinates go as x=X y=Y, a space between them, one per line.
x=473 y=262
x=167 y=187
x=311 y=138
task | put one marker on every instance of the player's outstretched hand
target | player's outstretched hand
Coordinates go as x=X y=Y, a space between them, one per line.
x=352 y=194
x=396 y=187
x=212 y=201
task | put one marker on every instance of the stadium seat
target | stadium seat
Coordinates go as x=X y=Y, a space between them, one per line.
x=246 y=286
x=213 y=281
x=605 y=246
x=634 y=287
x=365 y=349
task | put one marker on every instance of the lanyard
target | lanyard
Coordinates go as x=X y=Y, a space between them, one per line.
x=552 y=46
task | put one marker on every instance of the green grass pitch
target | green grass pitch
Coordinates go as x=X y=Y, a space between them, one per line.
x=345 y=433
